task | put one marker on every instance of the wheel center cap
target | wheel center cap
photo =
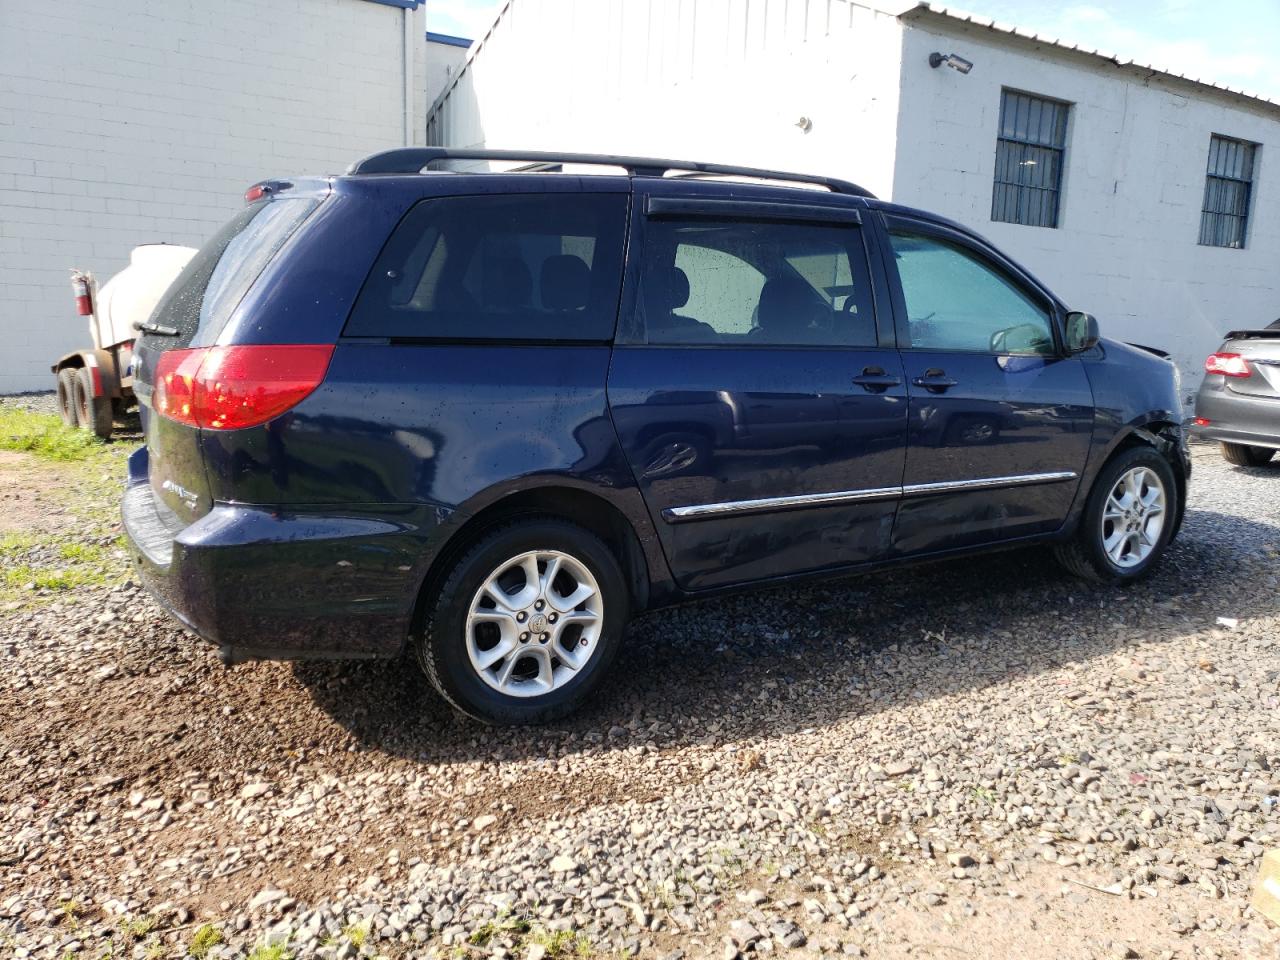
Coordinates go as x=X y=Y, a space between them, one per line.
x=538 y=622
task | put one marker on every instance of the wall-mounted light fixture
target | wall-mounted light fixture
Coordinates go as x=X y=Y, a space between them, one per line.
x=951 y=60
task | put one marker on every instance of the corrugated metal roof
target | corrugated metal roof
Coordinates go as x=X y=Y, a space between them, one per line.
x=924 y=9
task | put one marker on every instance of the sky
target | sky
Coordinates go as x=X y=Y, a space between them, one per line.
x=1231 y=42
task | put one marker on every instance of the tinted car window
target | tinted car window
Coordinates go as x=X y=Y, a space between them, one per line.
x=528 y=267
x=747 y=283
x=203 y=296
x=955 y=301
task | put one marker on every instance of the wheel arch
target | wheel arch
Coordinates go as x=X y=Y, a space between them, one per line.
x=102 y=364
x=1164 y=436
x=68 y=361
x=580 y=505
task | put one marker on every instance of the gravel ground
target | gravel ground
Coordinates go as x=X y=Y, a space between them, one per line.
x=981 y=758
x=45 y=401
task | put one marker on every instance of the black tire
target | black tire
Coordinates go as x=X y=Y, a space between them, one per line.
x=67 y=408
x=442 y=647
x=1243 y=455
x=93 y=412
x=1084 y=555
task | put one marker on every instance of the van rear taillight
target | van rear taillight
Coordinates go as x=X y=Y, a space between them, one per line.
x=1227 y=364
x=229 y=388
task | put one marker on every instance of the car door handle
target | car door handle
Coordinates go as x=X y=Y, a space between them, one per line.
x=875 y=380
x=935 y=381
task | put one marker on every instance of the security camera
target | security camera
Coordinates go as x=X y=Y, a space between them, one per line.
x=951 y=60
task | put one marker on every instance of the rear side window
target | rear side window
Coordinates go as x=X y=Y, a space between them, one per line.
x=526 y=267
x=213 y=283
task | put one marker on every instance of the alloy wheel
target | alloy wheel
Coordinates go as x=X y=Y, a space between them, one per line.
x=534 y=623
x=1133 y=517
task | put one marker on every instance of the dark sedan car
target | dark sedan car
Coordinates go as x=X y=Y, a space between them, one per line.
x=1239 y=401
x=488 y=417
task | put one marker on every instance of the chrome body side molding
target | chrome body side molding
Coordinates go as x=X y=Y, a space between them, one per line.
x=768 y=504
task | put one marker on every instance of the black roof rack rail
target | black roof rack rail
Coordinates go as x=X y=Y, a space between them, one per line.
x=416 y=159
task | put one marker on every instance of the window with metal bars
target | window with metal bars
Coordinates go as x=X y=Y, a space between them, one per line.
x=1224 y=217
x=1030 y=151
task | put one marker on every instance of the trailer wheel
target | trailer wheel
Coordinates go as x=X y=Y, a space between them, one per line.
x=94 y=412
x=67 y=407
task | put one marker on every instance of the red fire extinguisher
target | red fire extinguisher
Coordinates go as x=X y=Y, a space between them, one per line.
x=81 y=288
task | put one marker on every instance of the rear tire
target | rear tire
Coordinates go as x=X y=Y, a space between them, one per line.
x=67 y=407
x=1243 y=455
x=92 y=412
x=561 y=629
x=1128 y=521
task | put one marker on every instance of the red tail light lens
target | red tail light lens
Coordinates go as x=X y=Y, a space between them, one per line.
x=175 y=390
x=1227 y=364
x=229 y=388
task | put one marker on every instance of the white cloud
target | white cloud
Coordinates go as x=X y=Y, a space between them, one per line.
x=465 y=18
x=1194 y=57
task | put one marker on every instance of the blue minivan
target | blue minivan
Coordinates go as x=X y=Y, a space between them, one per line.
x=488 y=417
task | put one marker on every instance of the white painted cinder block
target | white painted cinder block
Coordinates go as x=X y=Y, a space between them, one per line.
x=138 y=121
x=727 y=80
x=1137 y=148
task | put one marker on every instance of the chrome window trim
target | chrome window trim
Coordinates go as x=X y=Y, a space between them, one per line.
x=768 y=504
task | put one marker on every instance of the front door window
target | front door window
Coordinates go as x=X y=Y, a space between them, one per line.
x=957 y=302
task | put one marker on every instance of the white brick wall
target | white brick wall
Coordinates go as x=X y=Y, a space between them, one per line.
x=444 y=60
x=138 y=121
x=1137 y=148
x=726 y=80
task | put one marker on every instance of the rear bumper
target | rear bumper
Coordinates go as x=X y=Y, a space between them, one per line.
x=1237 y=419
x=259 y=584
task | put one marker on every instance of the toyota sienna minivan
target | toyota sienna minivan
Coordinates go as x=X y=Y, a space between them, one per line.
x=487 y=417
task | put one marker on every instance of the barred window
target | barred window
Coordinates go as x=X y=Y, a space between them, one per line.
x=1224 y=218
x=1030 y=152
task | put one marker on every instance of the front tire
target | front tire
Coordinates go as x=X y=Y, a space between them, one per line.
x=526 y=623
x=1243 y=455
x=1129 y=518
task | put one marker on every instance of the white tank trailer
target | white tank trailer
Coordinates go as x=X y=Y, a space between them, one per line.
x=96 y=384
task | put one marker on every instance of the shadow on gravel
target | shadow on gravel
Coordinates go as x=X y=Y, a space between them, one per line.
x=779 y=660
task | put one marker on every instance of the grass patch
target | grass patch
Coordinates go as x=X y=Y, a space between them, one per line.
x=37 y=566
x=134 y=929
x=44 y=435
x=491 y=930
x=558 y=944
x=357 y=933
x=274 y=951
x=562 y=944
x=983 y=794
x=16 y=544
x=204 y=940
x=45 y=578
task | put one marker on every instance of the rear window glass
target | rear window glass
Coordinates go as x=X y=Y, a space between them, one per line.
x=528 y=267
x=213 y=283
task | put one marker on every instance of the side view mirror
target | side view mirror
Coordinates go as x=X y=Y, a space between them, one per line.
x=1082 y=331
